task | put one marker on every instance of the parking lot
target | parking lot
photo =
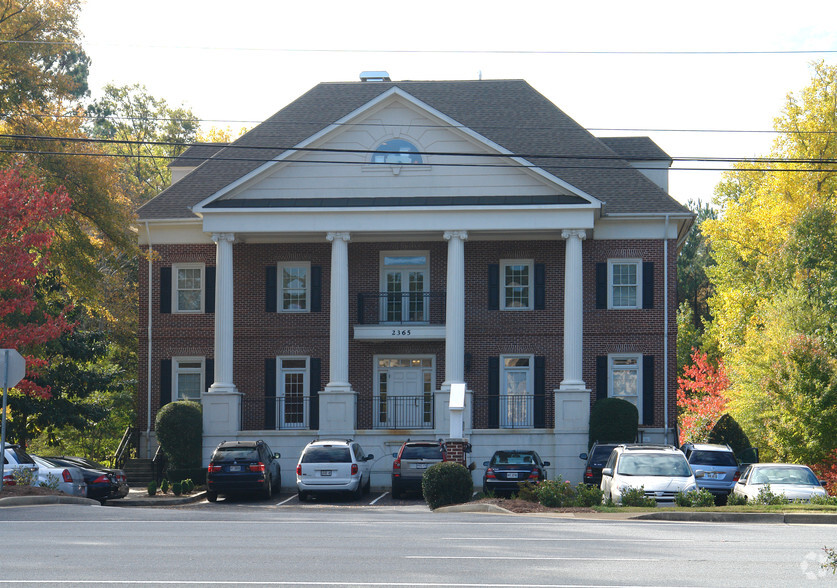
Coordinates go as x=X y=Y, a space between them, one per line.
x=290 y=499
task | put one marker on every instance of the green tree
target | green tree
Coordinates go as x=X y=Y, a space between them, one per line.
x=693 y=285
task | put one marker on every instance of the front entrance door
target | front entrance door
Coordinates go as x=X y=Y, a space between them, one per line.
x=404 y=395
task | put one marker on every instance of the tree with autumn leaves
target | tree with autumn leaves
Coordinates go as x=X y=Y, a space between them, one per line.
x=701 y=397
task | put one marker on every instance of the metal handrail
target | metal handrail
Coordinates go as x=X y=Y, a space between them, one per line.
x=374 y=308
x=118 y=460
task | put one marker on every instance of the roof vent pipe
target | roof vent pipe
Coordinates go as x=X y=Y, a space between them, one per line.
x=374 y=76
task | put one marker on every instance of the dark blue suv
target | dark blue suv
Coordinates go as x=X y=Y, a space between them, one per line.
x=243 y=467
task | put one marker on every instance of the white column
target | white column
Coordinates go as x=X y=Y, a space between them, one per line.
x=455 y=309
x=223 y=312
x=573 y=311
x=339 y=318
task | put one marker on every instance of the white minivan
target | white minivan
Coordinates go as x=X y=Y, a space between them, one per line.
x=333 y=466
x=660 y=470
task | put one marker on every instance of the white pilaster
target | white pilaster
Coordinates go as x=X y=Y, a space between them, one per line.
x=339 y=318
x=455 y=310
x=223 y=312
x=573 y=311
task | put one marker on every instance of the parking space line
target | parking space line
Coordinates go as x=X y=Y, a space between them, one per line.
x=518 y=558
x=377 y=499
x=286 y=500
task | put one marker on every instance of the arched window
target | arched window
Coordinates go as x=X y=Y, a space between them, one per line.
x=397 y=152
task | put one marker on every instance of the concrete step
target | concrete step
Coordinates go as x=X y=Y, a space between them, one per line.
x=139 y=471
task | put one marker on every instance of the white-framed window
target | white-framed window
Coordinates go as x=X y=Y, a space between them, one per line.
x=188 y=288
x=516 y=284
x=625 y=374
x=188 y=379
x=517 y=389
x=624 y=283
x=294 y=286
x=397 y=152
x=405 y=283
x=292 y=388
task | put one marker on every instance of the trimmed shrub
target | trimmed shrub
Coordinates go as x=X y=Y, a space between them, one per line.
x=588 y=495
x=197 y=475
x=164 y=486
x=446 y=483
x=727 y=431
x=637 y=497
x=177 y=488
x=556 y=493
x=613 y=420
x=699 y=497
x=179 y=427
x=152 y=488
x=736 y=500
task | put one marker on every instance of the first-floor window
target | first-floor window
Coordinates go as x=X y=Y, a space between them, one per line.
x=188 y=376
x=626 y=379
x=516 y=391
x=293 y=392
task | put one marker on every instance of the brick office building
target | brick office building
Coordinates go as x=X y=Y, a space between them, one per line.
x=341 y=268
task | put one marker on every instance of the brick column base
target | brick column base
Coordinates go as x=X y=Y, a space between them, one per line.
x=456 y=450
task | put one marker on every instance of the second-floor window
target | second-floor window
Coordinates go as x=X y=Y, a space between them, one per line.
x=405 y=283
x=624 y=283
x=516 y=284
x=188 y=291
x=294 y=286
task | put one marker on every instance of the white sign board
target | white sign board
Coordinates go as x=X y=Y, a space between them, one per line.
x=12 y=361
x=457 y=396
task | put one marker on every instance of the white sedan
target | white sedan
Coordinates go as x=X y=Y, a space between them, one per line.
x=795 y=482
x=69 y=480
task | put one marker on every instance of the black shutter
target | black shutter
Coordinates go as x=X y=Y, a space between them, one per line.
x=314 y=393
x=316 y=288
x=165 y=381
x=493 y=392
x=601 y=285
x=209 y=373
x=601 y=377
x=493 y=286
x=165 y=290
x=270 y=285
x=270 y=393
x=647 y=389
x=540 y=392
x=540 y=286
x=209 y=298
x=648 y=284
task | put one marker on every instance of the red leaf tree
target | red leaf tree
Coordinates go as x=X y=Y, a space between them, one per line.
x=701 y=397
x=26 y=211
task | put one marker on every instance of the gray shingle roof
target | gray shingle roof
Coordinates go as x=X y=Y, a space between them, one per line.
x=508 y=112
x=196 y=154
x=636 y=148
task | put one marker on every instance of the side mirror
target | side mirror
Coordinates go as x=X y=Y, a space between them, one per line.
x=607 y=472
x=395 y=455
x=546 y=464
x=823 y=483
x=277 y=455
x=472 y=466
x=485 y=463
x=368 y=457
x=582 y=456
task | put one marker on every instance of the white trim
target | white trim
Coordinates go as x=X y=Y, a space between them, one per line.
x=639 y=377
x=624 y=261
x=176 y=370
x=530 y=264
x=279 y=286
x=175 y=269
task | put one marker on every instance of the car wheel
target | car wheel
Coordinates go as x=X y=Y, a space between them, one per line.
x=277 y=487
x=396 y=490
x=359 y=490
x=303 y=496
x=211 y=496
x=368 y=485
x=268 y=491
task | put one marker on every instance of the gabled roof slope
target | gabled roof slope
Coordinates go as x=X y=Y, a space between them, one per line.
x=636 y=148
x=508 y=112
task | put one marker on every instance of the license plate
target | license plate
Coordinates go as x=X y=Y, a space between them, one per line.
x=712 y=475
x=235 y=468
x=511 y=475
x=325 y=472
x=420 y=466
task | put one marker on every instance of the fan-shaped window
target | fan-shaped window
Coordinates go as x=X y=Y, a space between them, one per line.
x=396 y=152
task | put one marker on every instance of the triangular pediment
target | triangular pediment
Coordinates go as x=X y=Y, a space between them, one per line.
x=443 y=163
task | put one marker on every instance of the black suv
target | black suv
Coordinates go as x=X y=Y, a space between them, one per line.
x=410 y=462
x=596 y=460
x=243 y=467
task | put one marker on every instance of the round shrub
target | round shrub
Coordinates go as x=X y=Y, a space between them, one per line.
x=727 y=431
x=164 y=487
x=556 y=493
x=637 y=497
x=152 y=488
x=613 y=420
x=177 y=489
x=736 y=500
x=588 y=495
x=179 y=427
x=699 y=498
x=446 y=483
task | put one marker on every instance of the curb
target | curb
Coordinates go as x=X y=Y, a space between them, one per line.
x=742 y=517
x=473 y=508
x=152 y=501
x=37 y=500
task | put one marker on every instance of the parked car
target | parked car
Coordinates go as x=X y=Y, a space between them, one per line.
x=121 y=489
x=243 y=467
x=795 y=482
x=100 y=484
x=67 y=479
x=596 y=460
x=719 y=466
x=661 y=470
x=16 y=459
x=410 y=463
x=333 y=466
x=508 y=467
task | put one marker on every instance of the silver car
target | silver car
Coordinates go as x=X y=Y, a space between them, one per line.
x=333 y=466
x=718 y=464
x=792 y=481
x=67 y=479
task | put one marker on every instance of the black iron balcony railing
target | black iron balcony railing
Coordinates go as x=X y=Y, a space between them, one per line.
x=280 y=413
x=510 y=411
x=399 y=412
x=398 y=308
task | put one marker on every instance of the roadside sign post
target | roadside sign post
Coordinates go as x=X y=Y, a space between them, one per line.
x=12 y=371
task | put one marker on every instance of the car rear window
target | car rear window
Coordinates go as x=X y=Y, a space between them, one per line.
x=422 y=452
x=327 y=455
x=508 y=457
x=601 y=453
x=227 y=454
x=714 y=458
x=21 y=456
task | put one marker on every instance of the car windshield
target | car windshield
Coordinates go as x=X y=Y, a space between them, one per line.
x=781 y=475
x=512 y=457
x=653 y=465
x=327 y=454
x=422 y=452
x=223 y=454
x=713 y=458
